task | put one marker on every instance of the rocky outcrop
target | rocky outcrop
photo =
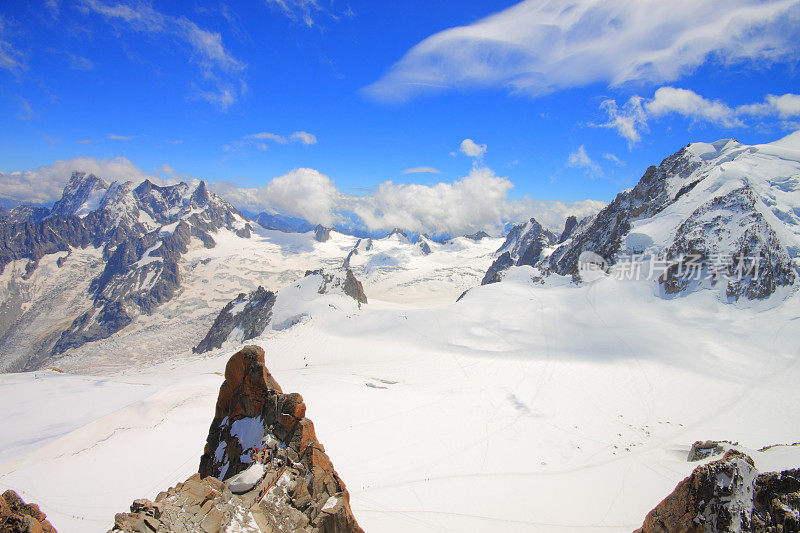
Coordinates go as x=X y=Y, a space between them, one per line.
x=524 y=245
x=263 y=468
x=342 y=279
x=322 y=234
x=569 y=227
x=729 y=495
x=16 y=516
x=253 y=413
x=477 y=236
x=250 y=313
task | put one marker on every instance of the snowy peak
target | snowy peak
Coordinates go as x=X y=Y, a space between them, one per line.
x=731 y=209
x=81 y=196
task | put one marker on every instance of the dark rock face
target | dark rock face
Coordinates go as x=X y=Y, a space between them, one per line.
x=477 y=236
x=253 y=413
x=569 y=227
x=143 y=232
x=729 y=495
x=500 y=265
x=523 y=246
x=322 y=234
x=16 y=516
x=249 y=312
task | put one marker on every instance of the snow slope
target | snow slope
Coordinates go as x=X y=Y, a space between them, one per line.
x=525 y=406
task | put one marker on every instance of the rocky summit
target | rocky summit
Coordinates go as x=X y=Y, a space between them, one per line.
x=263 y=468
x=16 y=516
x=729 y=495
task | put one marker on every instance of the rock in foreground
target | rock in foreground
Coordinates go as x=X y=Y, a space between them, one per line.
x=18 y=516
x=729 y=495
x=275 y=474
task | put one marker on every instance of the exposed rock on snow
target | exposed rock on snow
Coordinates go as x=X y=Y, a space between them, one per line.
x=18 y=516
x=322 y=234
x=729 y=495
x=569 y=227
x=340 y=279
x=523 y=246
x=249 y=313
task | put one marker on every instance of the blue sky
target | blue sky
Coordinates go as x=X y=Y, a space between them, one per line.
x=572 y=100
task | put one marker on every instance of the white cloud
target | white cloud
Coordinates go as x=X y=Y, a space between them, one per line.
x=472 y=149
x=115 y=137
x=689 y=104
x=260 y=140
x=539 y=46
x=46 y=183
x=303 y=192
x=221 y=72
x=578 y=158
x=632 y=119
x=422 y=170
x=303 y=137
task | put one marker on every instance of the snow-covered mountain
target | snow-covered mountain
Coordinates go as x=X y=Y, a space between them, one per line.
x=137 y=235
x=722 y=215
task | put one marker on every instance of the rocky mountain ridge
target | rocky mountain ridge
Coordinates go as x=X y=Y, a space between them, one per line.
x=142 y=231
x=726 y=213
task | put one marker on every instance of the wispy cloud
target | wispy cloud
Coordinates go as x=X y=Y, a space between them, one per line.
x=307 y=11
x=10 y=58
x=115 y=137
x=539 y=46
x=221 y=82
x=25 y=111
x=578 y=158
x=85 y=141
x=422 y=170
x=614 y=159
x=631 y=119
x=262 y=139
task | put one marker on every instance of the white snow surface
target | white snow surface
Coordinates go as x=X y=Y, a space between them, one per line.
x=526 y=406
x=247 y=479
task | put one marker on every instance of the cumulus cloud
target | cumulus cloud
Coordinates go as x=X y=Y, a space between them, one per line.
x=422 y=170
x=478 y=201
x=472 y=149
x=631 y=119
x=539 y=46
x=260 y=140
x=45 y=184
x=221 y=82
x=303 y=192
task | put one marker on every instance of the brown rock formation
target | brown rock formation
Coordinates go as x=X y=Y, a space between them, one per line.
x=729 y=495
x=16 y=516
x=275 y=473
